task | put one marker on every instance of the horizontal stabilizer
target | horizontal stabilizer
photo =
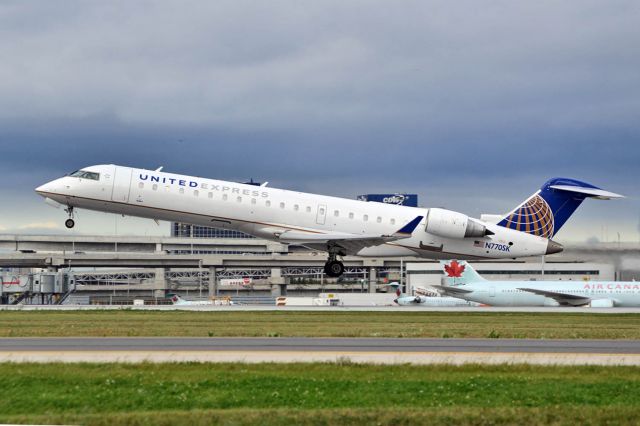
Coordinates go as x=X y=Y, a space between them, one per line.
x=600 y=194
x=451 y=290
x=544 y=213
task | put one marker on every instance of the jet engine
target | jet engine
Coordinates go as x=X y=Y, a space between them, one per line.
x=450 y=224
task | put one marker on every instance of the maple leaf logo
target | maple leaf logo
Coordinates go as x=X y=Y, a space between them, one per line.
x=454 y=269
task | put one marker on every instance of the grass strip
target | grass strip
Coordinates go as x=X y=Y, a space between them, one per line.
x=193 y=393
x=577 y=325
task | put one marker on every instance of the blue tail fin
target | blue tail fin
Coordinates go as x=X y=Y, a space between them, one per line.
x=548 y=209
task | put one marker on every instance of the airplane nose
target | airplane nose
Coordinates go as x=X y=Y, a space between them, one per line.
x=46 y=188
x=42 y=189
x=553 y=247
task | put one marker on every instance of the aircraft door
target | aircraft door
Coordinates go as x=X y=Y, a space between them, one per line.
x=321 y=217
x=121 y=184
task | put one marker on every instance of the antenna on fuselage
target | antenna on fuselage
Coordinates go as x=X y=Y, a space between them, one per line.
x=159 y=169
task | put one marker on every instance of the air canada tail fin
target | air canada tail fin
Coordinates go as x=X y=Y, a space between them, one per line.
x=459 y=273
x=175 y=299
x=545 y=212
x=396 y=288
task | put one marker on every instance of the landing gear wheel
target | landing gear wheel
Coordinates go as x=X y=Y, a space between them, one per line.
x=69 y=223
x=334 y=268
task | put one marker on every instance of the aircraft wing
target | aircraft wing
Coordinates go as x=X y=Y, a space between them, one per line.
x=562 y=298
x=351 y=243
x=451 y=290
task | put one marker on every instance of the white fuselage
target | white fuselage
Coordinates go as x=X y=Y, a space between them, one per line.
x=434 y=301
x=268 y=212
x=508 y=293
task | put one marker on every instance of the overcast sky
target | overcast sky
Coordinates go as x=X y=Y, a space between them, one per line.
x=471 y=104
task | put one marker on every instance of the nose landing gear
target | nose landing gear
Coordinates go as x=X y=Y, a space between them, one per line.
x=69 y=223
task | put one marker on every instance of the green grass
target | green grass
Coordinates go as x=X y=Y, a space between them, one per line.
x=579 y=325
x=317 y=394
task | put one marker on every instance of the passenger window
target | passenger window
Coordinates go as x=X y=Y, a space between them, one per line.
x=282 y=205
x=155 y=187
x=181 y=190
x=321 y=211
x=239 y=199
x=379 y=220
x=393 y=221
x=141 y=185
x=296 y=207
x=308 y=209
x=268 y=203
x=350 y=215
x=336 y=213
x=253 y=201
x=225 y=197
x=211 y=195
x=365 y=217
x=196 y=193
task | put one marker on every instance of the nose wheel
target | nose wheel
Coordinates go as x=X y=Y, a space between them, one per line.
x=69 y=223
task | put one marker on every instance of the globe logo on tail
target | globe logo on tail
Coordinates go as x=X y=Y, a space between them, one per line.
x=533 y=217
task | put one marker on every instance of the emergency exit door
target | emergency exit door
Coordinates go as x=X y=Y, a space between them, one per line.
x=321 y=217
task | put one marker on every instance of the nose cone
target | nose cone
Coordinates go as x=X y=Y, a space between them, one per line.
x=43 y=189
x=553 y=247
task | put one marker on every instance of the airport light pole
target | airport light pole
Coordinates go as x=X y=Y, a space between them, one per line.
x=199 y=275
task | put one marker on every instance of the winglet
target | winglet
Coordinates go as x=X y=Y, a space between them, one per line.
x=408 y=229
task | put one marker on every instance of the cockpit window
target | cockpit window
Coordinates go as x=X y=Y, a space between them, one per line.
x=83 y=174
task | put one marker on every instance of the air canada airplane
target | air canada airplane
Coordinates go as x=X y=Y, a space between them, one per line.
x=462 y=281
x=179 y=301
x=336 y=225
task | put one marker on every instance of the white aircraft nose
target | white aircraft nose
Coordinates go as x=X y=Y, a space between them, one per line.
x=44 y=189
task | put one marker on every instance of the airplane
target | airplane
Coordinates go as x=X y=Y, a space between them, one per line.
x=179 y=301
x=428 y=301
x=337 y=226
x=463 y=281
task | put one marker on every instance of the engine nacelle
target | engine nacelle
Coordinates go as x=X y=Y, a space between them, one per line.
x=602 y=303
x=449 y=224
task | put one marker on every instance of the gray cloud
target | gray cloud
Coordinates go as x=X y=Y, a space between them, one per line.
x=473 y=105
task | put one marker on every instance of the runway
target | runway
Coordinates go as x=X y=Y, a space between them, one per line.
x=372 y=350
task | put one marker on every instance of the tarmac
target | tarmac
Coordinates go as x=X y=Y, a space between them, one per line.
x=340 y=350
x=369 y=308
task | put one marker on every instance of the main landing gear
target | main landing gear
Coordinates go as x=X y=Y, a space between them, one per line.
x=333 y=268
x=69 y=223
